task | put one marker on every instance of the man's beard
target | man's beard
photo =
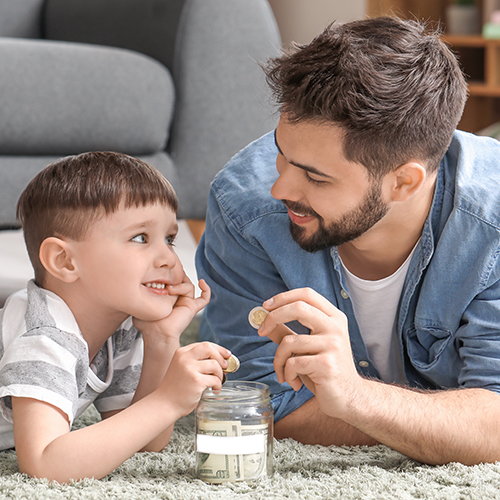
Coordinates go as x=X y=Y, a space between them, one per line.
x=350 y=226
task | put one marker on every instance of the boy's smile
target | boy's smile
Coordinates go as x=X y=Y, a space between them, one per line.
x=126 y=263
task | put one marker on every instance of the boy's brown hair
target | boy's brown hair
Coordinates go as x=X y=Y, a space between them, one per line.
x=392 y=85
x=70 y=194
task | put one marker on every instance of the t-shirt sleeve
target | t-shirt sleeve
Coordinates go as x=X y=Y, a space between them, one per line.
x=46 y=364
x=128 y=352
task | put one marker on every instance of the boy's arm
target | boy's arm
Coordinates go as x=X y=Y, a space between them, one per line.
x=161 y=340
x=46 y=447
x=157 y=359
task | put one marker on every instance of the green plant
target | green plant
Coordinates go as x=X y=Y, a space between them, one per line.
x=465 y=2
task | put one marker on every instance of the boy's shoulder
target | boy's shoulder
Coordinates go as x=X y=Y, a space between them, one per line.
x=33 y=309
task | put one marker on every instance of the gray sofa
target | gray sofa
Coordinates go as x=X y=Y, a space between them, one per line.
x=174 y=82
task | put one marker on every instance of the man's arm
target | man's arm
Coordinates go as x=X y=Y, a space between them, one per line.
x=309 y=425
x=434 y=427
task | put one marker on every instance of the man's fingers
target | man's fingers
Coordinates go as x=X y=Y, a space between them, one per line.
x=276 y=332
x=306 y=314
x=294 y=346
x=307 y=295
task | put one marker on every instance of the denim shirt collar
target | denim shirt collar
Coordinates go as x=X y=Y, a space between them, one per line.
x=419 y=262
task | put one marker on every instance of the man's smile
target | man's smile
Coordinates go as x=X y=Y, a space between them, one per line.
x=299 y=214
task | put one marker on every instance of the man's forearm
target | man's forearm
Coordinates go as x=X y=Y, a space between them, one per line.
x=309 y=425
x=432 y=427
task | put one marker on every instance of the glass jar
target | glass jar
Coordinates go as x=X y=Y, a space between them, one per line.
x=234 y=433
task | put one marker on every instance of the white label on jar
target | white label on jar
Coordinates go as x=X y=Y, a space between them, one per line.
x=223 y=445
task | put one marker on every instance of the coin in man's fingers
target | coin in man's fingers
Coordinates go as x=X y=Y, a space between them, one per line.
x=233 y=364
x=257 y=316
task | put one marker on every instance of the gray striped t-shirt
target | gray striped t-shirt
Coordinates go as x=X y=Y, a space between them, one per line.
x=44 y=356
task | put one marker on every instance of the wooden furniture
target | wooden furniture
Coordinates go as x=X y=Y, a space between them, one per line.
x=479 y=57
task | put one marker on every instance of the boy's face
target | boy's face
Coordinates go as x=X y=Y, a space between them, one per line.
x=127 y=260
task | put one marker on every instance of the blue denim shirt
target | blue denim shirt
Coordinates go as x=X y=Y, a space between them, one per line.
x=449 y=314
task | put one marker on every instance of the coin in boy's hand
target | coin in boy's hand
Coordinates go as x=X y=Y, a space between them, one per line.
x=233 y=364
x=257 y=316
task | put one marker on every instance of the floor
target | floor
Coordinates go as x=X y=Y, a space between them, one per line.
x=15 y=267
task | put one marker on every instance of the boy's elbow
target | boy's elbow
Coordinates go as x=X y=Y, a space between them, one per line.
x=52 y=472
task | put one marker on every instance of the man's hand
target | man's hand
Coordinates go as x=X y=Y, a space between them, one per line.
x=185 y=308
x=322 y=360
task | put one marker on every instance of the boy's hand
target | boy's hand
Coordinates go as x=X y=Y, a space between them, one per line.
x=183 y=312
x=193 y=369
x=323 y=360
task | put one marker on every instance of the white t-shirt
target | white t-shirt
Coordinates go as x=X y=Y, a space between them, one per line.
x=376 y=308
x=44 y=356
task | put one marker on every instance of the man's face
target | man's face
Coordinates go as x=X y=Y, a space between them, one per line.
x=127 y=261
x=330 y=200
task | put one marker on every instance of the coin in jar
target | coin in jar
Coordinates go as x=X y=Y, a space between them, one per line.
x=233 y=364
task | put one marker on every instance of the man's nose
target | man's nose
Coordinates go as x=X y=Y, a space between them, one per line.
x=287 y=185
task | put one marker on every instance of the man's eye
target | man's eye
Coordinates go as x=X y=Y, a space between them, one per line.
x=140 y=238
x=313 y=181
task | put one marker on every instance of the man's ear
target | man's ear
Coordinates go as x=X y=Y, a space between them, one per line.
x=56 y=257
x=406 y=180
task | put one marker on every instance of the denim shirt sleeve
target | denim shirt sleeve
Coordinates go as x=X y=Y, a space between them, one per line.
x=479 y=341
x=452 y=329
x=241 y=275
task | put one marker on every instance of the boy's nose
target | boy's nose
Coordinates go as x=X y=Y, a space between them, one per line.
x=165 y=257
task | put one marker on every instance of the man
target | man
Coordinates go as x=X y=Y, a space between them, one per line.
x=368 y=222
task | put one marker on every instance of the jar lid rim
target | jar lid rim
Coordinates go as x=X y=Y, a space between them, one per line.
x=237 y=391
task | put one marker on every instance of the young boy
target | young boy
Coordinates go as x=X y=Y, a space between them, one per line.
x=101 y=321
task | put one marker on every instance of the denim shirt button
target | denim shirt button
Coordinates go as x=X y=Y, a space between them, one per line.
x=364 y=364
x=344 y=294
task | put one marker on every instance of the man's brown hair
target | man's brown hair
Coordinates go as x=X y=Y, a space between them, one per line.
x=393 y=86
x=65 y=198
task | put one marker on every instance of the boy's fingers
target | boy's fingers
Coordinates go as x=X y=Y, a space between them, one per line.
x=209 y=350
x=186 y=289
x=203 y=285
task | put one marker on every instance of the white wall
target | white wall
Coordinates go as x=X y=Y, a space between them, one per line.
x=302 y=20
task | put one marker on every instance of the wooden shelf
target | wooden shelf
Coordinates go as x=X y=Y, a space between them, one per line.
x=478 y=56
x=480 y=60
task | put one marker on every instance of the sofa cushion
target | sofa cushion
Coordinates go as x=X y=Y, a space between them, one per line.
x=64 y=98
x=21 y=18
x=17 y=171
x=146 y=26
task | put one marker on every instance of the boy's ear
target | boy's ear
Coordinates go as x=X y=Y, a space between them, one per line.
x=407 y=180
x=56 y=257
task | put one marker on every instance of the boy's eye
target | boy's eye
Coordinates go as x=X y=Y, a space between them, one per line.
x=169 y=240
x=140 y=238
